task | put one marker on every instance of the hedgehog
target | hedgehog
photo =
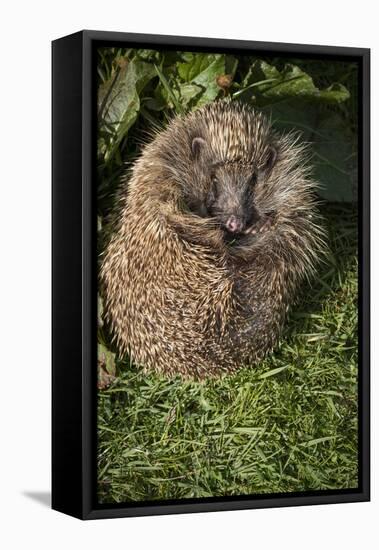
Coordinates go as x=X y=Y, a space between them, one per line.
x=217 y=228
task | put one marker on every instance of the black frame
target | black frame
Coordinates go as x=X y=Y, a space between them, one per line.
x=74 y=277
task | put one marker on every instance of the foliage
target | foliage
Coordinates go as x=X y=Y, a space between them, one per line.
x=290 y=423
x=140 y=90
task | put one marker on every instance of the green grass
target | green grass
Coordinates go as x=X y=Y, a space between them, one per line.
x=288 y=424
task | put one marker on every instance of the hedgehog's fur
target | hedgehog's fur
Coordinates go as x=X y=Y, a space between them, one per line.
x=179 y=297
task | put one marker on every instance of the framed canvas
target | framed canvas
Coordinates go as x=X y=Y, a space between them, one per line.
x=210 y=275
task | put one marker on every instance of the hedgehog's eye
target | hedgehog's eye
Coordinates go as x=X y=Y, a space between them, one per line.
x=254 y=179
x=214 y=187
x=214 y=182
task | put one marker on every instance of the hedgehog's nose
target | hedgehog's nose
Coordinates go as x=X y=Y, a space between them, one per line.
x=234 y=225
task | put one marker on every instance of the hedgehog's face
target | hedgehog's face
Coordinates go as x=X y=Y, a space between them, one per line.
x=231 y=198
x=233 y=193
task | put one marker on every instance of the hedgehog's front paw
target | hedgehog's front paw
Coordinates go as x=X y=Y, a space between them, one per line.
x=263 y=225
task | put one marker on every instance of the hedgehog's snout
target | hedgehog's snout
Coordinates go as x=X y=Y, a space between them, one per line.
x=234 y=224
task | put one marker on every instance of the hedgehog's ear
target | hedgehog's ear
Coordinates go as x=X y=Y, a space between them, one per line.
x=198 y=144
x=271 y=159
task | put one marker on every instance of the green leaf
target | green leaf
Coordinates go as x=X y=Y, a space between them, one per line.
x=292 y=82
x=154 y=104
x=260 y=71
x=251 y=86
x=248 y=430
x=148 y=55
x=106 y=367
x=333 y=145
x=272 y=84
x=336 y=93
x=272 y=372
x=189 y=93
x=335 y=159
x=203 y=70
x=119 y=102
x=195 y=65
x=169 y=90
x=265 y=70
x=318 y=440
x=231 y=64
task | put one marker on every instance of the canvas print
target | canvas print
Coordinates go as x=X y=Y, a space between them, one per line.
x=227 y=230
